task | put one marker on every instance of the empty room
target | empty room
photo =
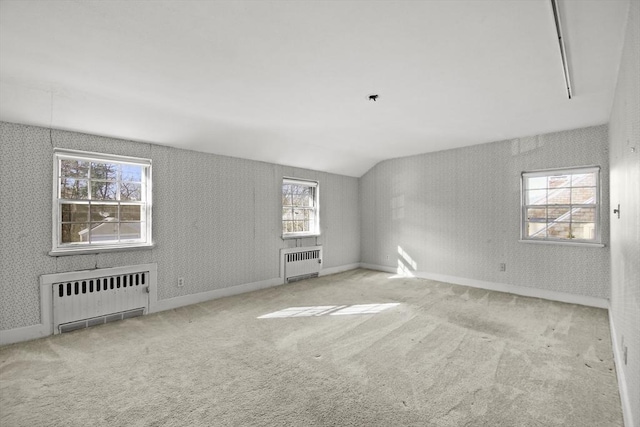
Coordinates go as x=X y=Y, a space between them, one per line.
x=320 y=213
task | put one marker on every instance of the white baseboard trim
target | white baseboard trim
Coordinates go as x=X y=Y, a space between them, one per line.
x=171 y=303
x=379 y=268
x=339 y=269
x=622 y=380
x=26 y=333
x=503 y=287
x=182 y=301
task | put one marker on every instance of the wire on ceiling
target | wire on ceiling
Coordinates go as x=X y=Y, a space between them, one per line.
x=563 y=50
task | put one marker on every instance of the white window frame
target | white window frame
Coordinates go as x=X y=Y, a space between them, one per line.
x=596 y=242
x=146 y=240
x=316 y=208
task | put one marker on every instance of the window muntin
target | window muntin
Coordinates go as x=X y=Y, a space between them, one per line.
x=300 y=208
x=561 y=205
x=100 y=201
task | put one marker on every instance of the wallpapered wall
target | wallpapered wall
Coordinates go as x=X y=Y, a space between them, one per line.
x=624 y=135
x=457 y=213
x=216 y=220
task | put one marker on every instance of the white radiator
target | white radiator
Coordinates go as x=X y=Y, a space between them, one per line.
x=301 y=263
x=86 y=298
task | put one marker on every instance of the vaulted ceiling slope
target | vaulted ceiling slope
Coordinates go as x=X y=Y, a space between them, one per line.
x=288 y=82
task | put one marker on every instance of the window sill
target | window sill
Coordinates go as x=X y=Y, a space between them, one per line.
x=99 y=249
x=552 y=242
x=299 y=236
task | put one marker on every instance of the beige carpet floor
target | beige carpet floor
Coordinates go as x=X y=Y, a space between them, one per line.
x=446 y=355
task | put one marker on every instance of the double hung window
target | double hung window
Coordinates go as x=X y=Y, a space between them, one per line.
x=100 y=202
x=300 y=213
x=561 y=205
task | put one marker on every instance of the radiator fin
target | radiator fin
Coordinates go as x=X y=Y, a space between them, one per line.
x=303 y=256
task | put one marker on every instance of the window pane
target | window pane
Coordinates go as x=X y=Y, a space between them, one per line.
x=130 y=191
x=287 y=214
x=312 y=196
x=131 y=173
x=73 y=233
x=536 y=230
x=104 y=171
x=537 y=182
x=286 y=199
x=298 y=214
x=104 y=232
x=559 y=230
x=300 y=195
x=101 y=213
x=586 y=231
x=561 y=213
x=586 y=195
x=305 y=197
x=74 y=168
x=583 y=180
x=559 y=197
x=583 y=215
x=73 y=189
x=559 y=181
x=75 y=212
x=130 y=230
x=130 y=212
x=536 y=197
x=103 y=190
x=287 y=226
x=537 y=214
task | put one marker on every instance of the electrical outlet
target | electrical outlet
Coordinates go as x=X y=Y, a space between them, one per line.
x=503 y=266
x=624 y=354
x=180 y=282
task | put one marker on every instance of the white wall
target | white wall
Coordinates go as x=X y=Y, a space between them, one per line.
x=456 y=213
x=624 y=135
x=216 y=220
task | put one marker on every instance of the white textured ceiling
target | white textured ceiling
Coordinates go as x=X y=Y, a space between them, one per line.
x=287 y=82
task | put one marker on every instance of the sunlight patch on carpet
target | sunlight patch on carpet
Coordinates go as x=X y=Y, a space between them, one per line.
x=331 y=310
